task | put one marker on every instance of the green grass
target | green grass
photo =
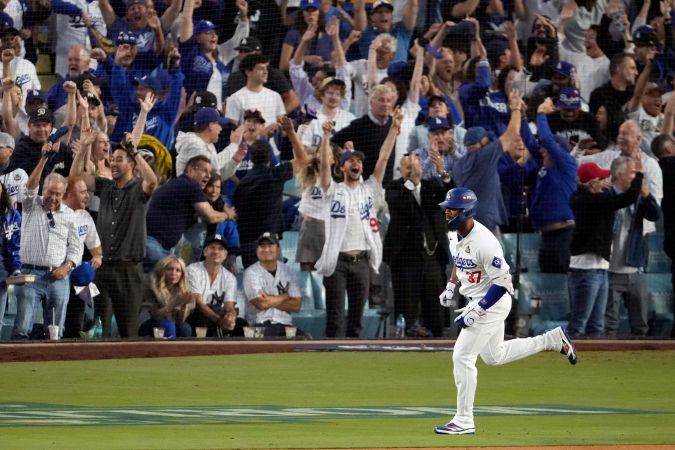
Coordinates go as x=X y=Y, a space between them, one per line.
x=632 y=380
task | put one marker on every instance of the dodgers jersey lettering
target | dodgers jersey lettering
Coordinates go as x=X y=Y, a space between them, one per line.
x=479 y=260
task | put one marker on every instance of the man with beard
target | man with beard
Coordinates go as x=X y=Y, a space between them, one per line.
x=50 y=250
x=571 y=123
x=173 y=206
x=353 y=245
x=619 y=89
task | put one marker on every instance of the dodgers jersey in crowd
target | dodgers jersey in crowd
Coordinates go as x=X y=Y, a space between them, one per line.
x=480 y=262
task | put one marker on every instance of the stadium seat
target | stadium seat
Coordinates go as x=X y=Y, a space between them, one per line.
x=552 y=289
x=658 y=261
x=660 y=291
x=529 y=250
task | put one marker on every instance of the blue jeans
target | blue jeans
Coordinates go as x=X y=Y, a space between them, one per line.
x=52 y=294
x=588 y=301
x=153 y=253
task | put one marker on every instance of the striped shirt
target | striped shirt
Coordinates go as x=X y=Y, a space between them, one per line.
x=256 y=279
x=45 y=241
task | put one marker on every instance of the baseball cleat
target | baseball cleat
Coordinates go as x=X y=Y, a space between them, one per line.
x=567 y=347
x=451 y=428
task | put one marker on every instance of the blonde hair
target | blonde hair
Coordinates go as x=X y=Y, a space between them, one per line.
x=381 y=89
x=158 y=284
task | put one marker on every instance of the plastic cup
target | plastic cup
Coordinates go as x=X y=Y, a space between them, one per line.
x=53 y=332
x=200 y=332
x=290 y=332
x=158 y=332
x=249 y=332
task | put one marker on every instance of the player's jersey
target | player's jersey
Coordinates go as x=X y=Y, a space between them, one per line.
x=480 y=263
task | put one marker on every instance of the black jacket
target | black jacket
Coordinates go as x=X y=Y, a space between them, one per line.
x=594 y=215
x=404 y=234
x=27 y=154
x=367 y=137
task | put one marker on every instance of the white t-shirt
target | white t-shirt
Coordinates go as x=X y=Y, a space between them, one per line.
x=358 y=72
x=223 y=289
x=86 y=230
x=410 y=111
x=267 y=101
x=257 y=279
x=312 y=203
x=189 y=145
x=216 y=85
x=312 y=134
x=71 y=31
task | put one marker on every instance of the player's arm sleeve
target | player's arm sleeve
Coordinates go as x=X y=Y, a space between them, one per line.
x=496 y=267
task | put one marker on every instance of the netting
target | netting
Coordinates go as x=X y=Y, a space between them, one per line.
x=254 y=169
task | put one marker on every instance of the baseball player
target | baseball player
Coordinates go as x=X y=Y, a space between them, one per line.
x=483 y=277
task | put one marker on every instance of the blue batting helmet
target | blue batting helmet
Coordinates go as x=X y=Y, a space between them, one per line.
x=460 y=198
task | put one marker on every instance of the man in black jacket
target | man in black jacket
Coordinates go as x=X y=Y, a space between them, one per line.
x=594 y=205
x=28 y=149
x=416 y=245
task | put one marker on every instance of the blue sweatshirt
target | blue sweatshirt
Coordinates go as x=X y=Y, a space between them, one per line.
x=198 y=68
x=160 y=119
x=556 y=184
x=11 y=236
x=483 y=108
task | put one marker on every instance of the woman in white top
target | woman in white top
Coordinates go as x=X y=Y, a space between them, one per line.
x=313 y=209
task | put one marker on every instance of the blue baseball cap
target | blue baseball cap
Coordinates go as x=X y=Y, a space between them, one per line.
x=36 y=94
x=565 y=69
x=206 y=116
x=645 y=36
x=126 y=37
x=307 y=4
x=149 y=81
x=438 y=123
x=348 y=154
x=474 y=135
x=569 y=98
x=204 y=26
x=496 y=48
x=398 y=70
x=6 y=20
x=83 y=274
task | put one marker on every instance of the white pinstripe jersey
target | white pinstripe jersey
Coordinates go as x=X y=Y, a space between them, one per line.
x=479 y=260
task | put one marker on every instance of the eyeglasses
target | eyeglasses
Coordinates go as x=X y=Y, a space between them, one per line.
x=50 y=217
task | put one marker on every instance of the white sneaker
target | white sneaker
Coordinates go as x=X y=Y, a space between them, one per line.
x=451 y=428
x=566 y=346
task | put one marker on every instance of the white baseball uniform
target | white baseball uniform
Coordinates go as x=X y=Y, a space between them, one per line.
x=479 y=261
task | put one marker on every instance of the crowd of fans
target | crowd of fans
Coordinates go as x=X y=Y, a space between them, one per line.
x=162 y=149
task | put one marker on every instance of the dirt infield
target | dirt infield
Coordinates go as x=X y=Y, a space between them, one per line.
x=82 y=350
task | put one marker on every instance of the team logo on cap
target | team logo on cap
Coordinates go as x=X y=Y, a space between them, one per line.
x=41 y=111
